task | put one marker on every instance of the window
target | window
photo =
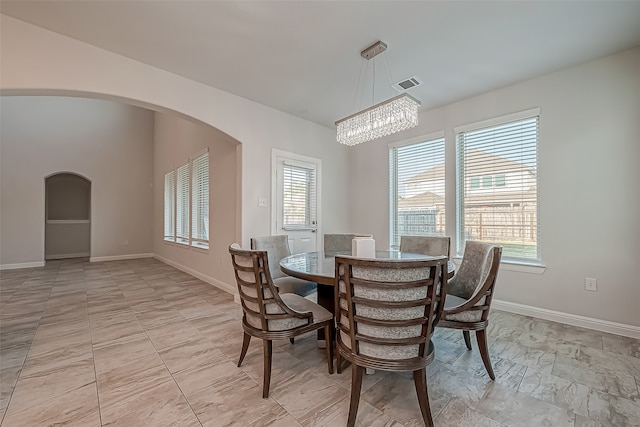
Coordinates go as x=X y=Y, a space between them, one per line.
x=504 y=209
x=169 y=206
x=417 y=189
x=200 y=201
x=299 y=196
x=182 y=205
x=186 y=203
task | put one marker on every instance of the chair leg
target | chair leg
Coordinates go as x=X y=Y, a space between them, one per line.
x=327 y=332
x=245 y=347
x=292 y=340
x=481 y=336
x=420 y=381
x=356 y=385
x=467 y=339
x=267 y=348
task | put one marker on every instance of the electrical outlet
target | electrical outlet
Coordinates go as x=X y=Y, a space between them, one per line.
x=262 y=202
x=590 y=284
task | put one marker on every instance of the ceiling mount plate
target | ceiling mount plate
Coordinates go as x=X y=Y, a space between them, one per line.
x=373 y=50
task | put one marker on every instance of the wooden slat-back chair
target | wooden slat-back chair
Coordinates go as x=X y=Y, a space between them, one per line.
x=470 y=293
x=270 y=315
x=386 y=311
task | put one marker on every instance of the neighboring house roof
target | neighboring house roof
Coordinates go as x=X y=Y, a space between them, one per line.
x=422 y=200
x=431 y=174
x=476 y=157
x=477 y=161
x=502 y=198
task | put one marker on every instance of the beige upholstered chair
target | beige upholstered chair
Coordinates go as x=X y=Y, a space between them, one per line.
x=338 y=242
x=427 y=245
x=270 y=315
x=386 y=311
x=470 y=293
x=277 y=247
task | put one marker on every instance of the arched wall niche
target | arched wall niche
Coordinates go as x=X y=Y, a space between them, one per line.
x=67 y=216
x=68 y=197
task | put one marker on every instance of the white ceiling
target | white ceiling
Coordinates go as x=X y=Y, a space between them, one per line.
x=303 y=57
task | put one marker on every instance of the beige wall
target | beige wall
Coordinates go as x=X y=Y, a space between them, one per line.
x=177 y=140
x=589 y=177
x=108 y=143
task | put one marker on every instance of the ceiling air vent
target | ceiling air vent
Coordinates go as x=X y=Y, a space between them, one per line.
x=406 y=84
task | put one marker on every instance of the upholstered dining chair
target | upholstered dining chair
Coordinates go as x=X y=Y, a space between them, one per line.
x=427 y=245
x=270 y=315
x=277 y=247
x=338 y=242
x=470 y=293
x=386 y=310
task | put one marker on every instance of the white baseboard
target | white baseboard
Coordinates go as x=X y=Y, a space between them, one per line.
x=568 y=319
x=64 y=256
x=22 y=265
x=119 y=257
x=210 y=280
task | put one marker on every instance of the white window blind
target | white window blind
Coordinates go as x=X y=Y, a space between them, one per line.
x=200 y=201
x=182 y=204
x=417 y=189
x=497 y=197
x=169 y=205
x=299 y=196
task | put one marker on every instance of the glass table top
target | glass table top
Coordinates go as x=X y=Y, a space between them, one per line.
x=320 y=266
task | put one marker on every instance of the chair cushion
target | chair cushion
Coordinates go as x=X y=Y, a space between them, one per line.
x=467 y=316
x=303 y=305
x=293 y=285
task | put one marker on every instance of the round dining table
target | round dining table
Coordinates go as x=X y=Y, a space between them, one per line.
x=319 y=267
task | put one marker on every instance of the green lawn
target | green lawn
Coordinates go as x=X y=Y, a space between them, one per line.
x=518 y=250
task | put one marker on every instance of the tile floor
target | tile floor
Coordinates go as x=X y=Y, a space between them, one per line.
x=139 y=343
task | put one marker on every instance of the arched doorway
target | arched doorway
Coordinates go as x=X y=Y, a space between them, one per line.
x=67 y=216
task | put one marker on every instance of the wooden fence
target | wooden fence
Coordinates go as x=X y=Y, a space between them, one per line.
x=495 y=224
x=501 y=224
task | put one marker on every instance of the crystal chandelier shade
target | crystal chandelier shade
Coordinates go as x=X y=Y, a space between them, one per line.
x=385 y=118
x=393 y=115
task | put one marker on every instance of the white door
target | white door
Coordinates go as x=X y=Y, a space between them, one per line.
x=296 y=200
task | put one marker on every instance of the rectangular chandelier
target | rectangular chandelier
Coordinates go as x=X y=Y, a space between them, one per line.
x=393 y=115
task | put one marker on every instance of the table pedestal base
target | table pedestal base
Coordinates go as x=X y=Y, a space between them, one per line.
x=327 y=300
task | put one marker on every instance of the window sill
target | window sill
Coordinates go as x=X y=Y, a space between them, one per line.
x=200 y=246
x=517 y=266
